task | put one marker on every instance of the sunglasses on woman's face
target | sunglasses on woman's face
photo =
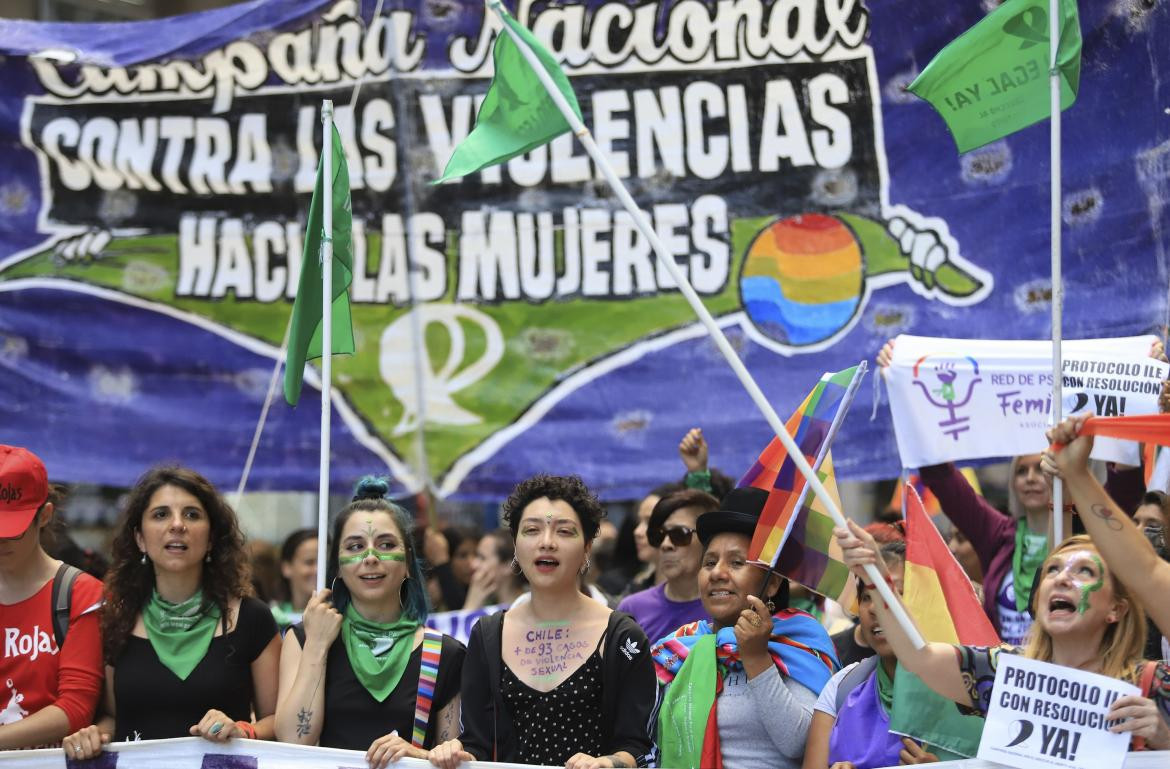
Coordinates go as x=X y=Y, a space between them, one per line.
x=680 y=536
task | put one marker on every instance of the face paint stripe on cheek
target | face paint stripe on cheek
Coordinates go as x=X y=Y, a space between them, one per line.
x=359 y=557
x=1083 y=606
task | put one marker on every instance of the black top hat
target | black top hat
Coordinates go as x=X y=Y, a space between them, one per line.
x=739 y=512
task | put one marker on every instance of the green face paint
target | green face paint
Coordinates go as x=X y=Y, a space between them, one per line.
x=1083 y=606
x=359 y=557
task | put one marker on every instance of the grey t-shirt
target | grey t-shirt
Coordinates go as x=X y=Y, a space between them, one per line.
x=763 y=723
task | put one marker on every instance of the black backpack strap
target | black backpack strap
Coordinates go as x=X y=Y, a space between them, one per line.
x=62 y=600
x=855 y=678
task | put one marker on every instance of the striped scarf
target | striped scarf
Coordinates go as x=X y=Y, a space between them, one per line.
x=688 y=724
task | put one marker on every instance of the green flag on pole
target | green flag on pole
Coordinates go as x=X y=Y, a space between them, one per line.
x=517 y=114
x=993 y=79
x=304 y=340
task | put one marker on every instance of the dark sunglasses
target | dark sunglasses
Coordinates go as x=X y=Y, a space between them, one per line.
x=680 y=536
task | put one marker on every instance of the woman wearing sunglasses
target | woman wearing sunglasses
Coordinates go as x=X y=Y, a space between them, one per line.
x=671 y=530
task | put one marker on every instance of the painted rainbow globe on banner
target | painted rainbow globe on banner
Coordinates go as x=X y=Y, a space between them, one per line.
x=802 y=279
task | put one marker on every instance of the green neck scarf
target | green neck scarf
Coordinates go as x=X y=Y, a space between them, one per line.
x=1031 y=550
x=180 y=632
x=885 y=688
x=378 y=651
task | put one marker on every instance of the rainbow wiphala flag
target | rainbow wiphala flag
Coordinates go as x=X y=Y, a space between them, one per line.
x=795 y=533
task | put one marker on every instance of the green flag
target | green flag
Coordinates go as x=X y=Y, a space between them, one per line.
x=517 y=114
x=304 y=340
x=993 y=79
x=686 y=708
x=931 y=718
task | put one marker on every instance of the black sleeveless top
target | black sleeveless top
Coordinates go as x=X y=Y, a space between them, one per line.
x=553 y=726
x=152 y=703
x=354 y=719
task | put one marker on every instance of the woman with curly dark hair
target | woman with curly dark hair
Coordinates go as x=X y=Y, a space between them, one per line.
x=561 y=679
x=188 y=650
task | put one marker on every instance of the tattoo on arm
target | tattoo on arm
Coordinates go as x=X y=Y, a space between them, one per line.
x=1105 y=514
x=304 y=722
x=448 y=729
x=618 y=762
x=305 y=716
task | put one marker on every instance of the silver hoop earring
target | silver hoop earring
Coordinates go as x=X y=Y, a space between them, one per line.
x=515 y=567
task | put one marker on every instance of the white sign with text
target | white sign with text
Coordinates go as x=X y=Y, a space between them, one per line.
x=1044 y=716
x=955 y=399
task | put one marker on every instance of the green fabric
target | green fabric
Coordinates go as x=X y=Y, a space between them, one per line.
x=1031 y=550
x=928 y=717
x=304 y=340
x=682 y=721
x=378 y=651
x=698 y=479
x=992 y=80
x=885 y=688
x=517 y=114
x=285 y=615
x=180 y=632
x=807 y=604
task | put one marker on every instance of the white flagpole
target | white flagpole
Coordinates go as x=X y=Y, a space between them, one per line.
x=713 y=329
x=1057 y=285
x=326 y=334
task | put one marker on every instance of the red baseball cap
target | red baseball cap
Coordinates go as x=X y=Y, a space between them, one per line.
x=24 y=487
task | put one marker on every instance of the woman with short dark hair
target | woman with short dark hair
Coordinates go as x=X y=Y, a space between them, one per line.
x=561 y=679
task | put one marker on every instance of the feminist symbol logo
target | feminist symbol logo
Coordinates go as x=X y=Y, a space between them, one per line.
x=397 y=364
x=946 y=394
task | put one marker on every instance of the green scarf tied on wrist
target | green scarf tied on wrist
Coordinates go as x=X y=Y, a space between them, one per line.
x=378 y=651
x=1031 y=550
x=181 y=632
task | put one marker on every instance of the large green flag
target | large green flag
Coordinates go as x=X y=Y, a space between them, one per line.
x=993 y=79
x=304 y=341
x=517 y=114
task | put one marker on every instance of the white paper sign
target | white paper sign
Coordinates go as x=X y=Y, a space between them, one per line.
x=955 y=399
x=1044 y=716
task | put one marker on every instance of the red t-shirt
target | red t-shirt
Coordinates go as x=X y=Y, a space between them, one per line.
x=35 y=673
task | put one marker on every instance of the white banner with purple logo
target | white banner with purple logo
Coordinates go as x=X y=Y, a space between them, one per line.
x=955 y=399
x=196 y=753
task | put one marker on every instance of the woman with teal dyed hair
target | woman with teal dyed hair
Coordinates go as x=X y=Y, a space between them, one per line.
x=361 y=671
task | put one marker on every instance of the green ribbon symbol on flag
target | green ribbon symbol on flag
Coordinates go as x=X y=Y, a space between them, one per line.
x=517 y=114
x=987 y=84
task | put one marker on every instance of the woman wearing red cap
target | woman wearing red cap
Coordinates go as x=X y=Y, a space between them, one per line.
x=51 y=666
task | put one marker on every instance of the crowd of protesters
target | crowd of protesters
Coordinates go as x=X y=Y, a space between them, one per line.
x=658 y=642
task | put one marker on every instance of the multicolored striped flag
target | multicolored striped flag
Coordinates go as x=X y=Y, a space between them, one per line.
x=940 y=598
x=795 y=533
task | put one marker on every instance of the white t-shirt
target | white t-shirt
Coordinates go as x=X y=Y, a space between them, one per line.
x=827 y=702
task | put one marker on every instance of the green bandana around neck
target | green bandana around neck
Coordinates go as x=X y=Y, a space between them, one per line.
x=1031 y=550
x=885 y=688
x=181 y=632
x=378 y=651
